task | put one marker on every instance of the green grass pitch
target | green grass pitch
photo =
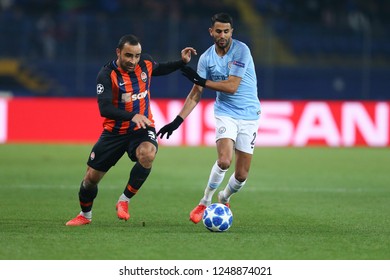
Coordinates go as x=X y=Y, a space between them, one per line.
x=298 y=204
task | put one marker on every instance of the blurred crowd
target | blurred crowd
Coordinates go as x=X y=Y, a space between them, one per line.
x=55 y=29
x=52 y=28
x=127 y=8
x=329 y=13
x=346 y=28
x=80 y=35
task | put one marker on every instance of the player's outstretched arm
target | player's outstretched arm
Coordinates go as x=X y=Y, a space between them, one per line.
x=169 y=128
x=186 y=54
x=192 y=100
x=194 y=77
x=165 y=68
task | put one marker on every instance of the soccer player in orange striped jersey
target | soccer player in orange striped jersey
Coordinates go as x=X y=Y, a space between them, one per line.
x=123 y=94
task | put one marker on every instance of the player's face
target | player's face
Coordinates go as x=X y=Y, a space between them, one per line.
x=222 y=34
x=129 y=57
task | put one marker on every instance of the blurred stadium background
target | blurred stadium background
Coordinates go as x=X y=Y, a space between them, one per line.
x=303 y=49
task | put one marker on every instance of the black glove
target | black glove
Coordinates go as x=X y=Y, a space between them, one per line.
x=193 y=76
x=169 y=128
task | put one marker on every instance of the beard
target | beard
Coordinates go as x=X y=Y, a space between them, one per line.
x=128 y=67
x=222 y=43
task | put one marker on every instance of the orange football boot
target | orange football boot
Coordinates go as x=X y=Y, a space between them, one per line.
x=196 y=214
x=122 y=210
x=80 y=220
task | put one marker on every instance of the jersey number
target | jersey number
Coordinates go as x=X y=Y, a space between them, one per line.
x=254 y=139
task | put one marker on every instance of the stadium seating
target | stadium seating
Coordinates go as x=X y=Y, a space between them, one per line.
x=300 y=47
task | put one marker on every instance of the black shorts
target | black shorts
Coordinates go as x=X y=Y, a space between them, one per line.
x=111 y=147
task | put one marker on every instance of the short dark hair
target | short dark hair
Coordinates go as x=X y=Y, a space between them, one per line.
x=129 y=38
x=222 y=17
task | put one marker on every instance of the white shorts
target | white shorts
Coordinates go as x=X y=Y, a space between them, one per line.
x=242 y=132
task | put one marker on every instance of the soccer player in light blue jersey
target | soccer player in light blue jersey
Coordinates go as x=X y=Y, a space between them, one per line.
x=226 y=67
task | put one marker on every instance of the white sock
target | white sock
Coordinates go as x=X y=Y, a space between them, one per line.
x=87 y=215
x=216 y=177
x=123 y=198
x=232 y=187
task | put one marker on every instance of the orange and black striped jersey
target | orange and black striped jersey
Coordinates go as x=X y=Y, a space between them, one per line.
x=122 y=94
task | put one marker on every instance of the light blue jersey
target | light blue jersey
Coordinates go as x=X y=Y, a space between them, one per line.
x=244 y=104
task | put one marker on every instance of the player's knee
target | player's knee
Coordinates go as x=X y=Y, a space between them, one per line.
x=241 y=176
x=90 y=182
x=92 y=178
x=224 y=163
x=146 y=157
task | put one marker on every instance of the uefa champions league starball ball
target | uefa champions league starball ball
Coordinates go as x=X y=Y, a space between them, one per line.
x=217 y=217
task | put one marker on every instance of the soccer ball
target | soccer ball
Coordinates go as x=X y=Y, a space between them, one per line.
x=217 y=217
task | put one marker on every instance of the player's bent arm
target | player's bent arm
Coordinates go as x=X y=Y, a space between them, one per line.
x=228 y=86
x=192 y=100
x=108 y=110
x=141 y=120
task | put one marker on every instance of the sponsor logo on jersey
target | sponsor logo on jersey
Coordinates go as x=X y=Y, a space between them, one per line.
x=219 y=77
x=99 y=89
x=130 y=96
x=92 y=156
